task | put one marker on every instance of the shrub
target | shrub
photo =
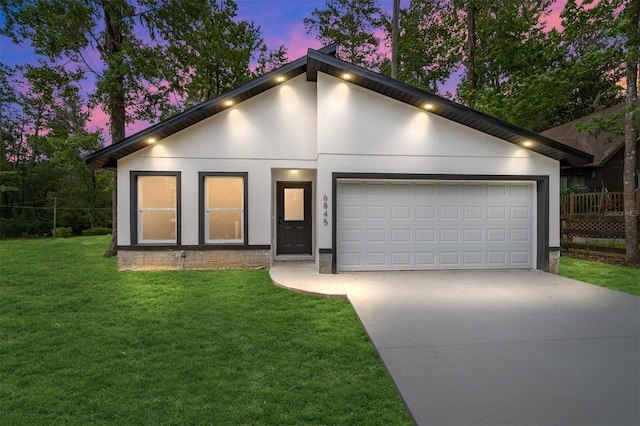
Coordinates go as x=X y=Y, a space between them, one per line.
x=96 y=231
x=62 y=232
x=575 y=188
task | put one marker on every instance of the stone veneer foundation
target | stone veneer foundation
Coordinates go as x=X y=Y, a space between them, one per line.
x=167 y=260
x=326 y=261
x=554 y=261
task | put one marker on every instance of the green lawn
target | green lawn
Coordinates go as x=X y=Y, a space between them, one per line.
x=81 y=343
x=615 y=277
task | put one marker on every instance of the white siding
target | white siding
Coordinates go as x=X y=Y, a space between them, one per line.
x=365 y=132
x=276 y=129
x=328 y=126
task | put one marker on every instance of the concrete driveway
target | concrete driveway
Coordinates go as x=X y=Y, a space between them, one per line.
x=504 y=348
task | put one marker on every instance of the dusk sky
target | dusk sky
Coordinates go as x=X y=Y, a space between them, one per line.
x=281 y=22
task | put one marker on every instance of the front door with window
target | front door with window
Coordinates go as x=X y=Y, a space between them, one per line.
x=294 y=217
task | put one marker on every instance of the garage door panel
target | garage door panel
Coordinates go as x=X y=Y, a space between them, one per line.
x=450 y=190
x=520 y=235
x=351 y=259
x=401 y=236
x=376 y=258
x=352 y=236
x=450 y=259
x=473 y=258
x=400 y=212
x=450 y=213
x=402 y=258
x=496 y=213
x=471 y=190
x=425 y=259
x=496 y=235
x=401 y=190
x=521 y=190
x=473 y=213
x=432 y=225
x=473 y=235
x=351 y=212
x=449 y=235
x=425 y=212
x=520 y=258
x=520 y=212
x=351 y=188
x=376 y=189
x=497 y=191
x=496 y=258
x=376 y=236
x=425 y=235
x=425 y=190
x=376 y=212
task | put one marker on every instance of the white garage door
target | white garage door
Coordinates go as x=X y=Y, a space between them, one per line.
x=420 y=225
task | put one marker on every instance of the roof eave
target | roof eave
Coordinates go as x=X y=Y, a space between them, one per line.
x=323 y=60
x=444 y=108
x=194 y=115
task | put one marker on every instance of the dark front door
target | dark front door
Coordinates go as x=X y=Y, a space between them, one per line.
x=294 y=217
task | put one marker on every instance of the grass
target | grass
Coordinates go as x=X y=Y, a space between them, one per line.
x=615 y=277
x=81 y=343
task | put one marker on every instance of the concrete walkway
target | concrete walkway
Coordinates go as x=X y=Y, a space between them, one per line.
x=498 y=348
x=303 y=277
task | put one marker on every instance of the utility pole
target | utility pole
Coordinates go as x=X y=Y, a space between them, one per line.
x=394 y=39
x=55 y=214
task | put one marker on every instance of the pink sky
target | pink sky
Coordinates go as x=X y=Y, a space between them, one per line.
x=281 y=22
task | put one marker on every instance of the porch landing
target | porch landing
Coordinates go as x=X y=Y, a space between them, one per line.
x=303 y=277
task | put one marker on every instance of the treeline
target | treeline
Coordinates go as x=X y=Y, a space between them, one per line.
x=510 y=63
x=42 y=175
x=133 y=60
x=148 y=59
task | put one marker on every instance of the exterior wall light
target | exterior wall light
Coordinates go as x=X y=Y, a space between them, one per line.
x=346 y=76
x=279 y=79
x=527 y=144
x=228 y=103
x=428 y=106
x=151 y=140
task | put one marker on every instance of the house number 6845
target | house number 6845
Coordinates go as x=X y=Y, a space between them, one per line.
x=325 y=206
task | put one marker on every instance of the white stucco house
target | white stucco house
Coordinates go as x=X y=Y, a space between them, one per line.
x=324 y=160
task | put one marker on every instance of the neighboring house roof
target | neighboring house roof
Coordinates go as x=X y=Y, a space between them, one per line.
x=602 y=145
x=323 y=60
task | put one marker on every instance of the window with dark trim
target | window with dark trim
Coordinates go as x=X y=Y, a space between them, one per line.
x=155 y=208
x=223 y=208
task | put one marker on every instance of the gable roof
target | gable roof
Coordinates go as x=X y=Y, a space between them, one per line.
x=323 y=60
x=602 y=145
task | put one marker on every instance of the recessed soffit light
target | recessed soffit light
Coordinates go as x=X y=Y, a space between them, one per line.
x=346 y=76
x=228 y=103
x=280 y=79
x=151 y=140
x=527 y=144
x=428 y=106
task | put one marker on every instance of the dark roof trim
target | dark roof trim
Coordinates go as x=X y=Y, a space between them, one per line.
x=324 y=60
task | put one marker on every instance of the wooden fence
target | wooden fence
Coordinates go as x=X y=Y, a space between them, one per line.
x=595 y=221
x=592 y=202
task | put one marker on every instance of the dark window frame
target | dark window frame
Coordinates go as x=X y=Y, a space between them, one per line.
x=133 y=205
x=201 y=208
